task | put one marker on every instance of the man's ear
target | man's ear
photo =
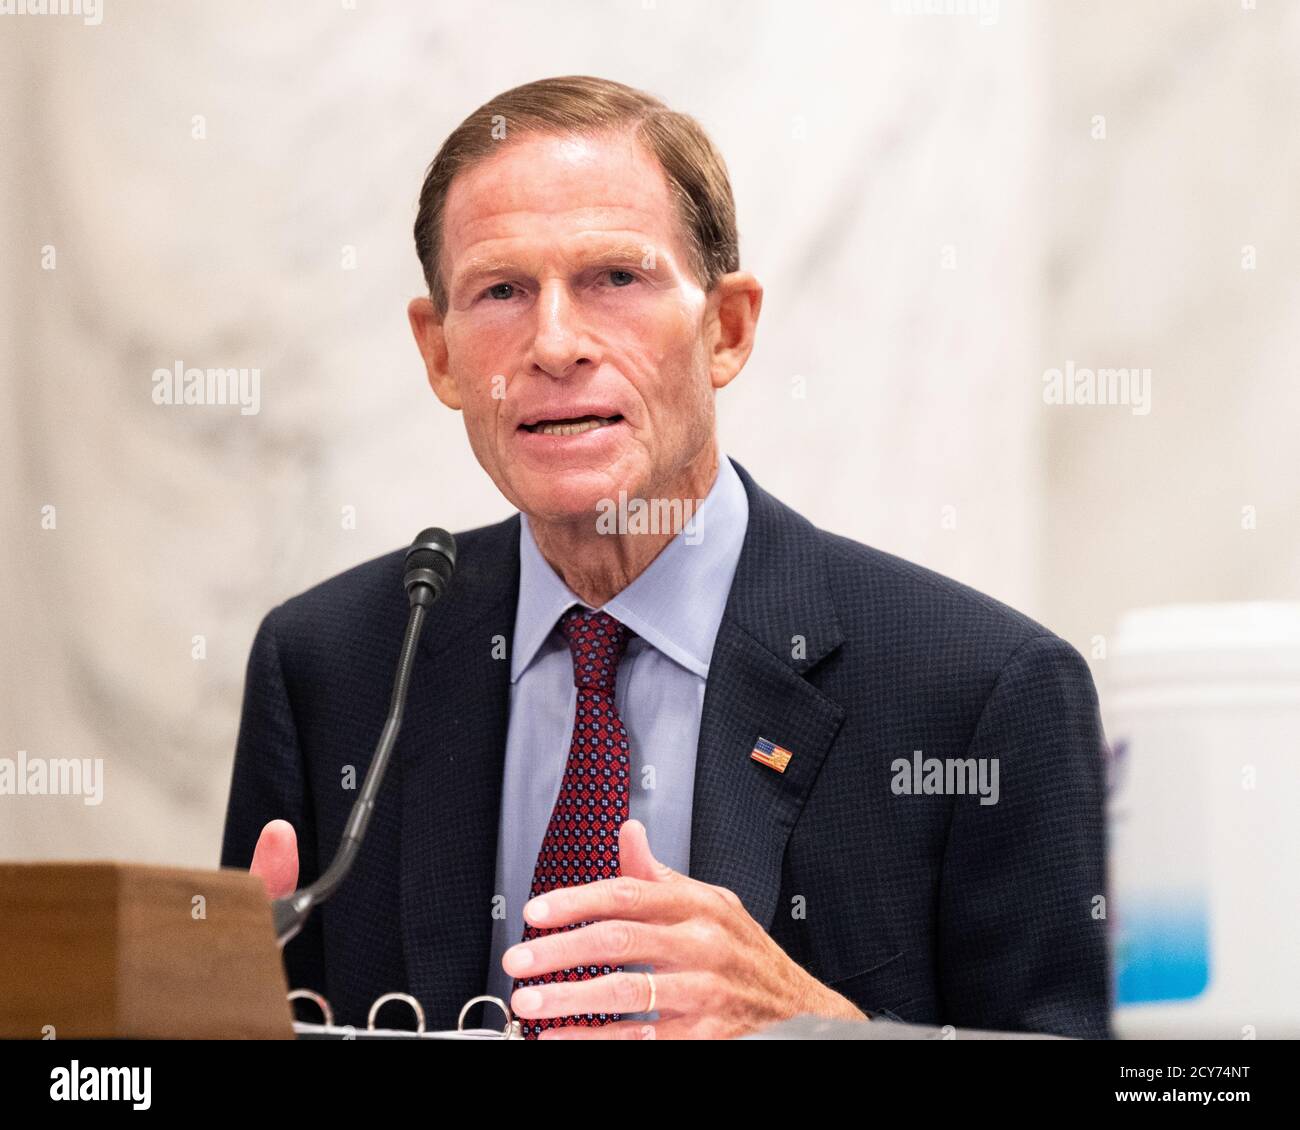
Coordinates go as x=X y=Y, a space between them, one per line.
x=426 y=325
x=734 y=306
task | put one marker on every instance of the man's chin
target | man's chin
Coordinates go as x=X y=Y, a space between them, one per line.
x=570 y=498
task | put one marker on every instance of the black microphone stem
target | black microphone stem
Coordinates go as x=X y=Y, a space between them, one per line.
x=289 y=913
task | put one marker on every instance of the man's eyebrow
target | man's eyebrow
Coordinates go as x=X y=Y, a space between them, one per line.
x=621 y=253
x=596 y=257
x=484 y=266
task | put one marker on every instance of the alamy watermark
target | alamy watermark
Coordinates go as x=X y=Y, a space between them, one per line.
x=53 y=776
x=90 y=11
x=650 y=516
x=102 y=1084
x=179 y=385
x=953 y=776
x=1130 y=387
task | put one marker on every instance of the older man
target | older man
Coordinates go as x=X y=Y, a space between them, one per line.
x=662 y=778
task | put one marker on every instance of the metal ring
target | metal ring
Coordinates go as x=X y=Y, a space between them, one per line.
x=317 y=999
x=651 y=978
x=381 y=1001
x=460 y=1020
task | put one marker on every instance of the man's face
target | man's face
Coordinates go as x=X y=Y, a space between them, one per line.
x=576 y=341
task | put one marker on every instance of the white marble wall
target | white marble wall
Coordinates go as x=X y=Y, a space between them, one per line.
x=1149 y=231
x=918 y=193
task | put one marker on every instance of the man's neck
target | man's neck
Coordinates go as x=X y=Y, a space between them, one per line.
x=598 y=566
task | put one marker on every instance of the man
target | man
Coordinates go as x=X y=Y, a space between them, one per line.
x=681 y=781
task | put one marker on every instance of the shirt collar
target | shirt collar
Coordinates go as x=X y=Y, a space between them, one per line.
x=675 y=605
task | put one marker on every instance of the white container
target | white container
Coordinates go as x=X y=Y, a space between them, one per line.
x=1201 y=705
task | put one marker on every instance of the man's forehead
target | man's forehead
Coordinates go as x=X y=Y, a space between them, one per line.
x=551 y=186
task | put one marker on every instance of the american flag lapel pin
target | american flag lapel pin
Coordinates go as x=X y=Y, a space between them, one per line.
x=770 y=754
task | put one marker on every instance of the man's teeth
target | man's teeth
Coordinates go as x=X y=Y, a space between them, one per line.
x=577 y=427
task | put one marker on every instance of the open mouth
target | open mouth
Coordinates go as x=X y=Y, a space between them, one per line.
x=570 y=427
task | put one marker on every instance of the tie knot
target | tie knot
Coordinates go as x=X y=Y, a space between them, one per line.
x=597 y=642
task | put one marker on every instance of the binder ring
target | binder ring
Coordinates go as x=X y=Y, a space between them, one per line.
x=510 y=1020
x=381 y=1001
x=307 y=995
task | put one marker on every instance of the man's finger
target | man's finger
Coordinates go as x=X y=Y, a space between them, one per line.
x=614 y=992
x=620 y=1030
x=624 y=993
x=613 y=943
x=641 y=900
x=275 y=859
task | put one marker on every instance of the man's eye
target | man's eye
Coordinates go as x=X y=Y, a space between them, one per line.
x=621 y=278
x=501 y=290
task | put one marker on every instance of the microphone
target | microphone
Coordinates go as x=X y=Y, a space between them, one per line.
x=429 y=565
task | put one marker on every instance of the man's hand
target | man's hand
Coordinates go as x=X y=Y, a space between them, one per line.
x=275 y=859
x=717 y=973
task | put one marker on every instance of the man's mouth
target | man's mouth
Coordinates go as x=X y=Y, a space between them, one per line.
x=572 y=426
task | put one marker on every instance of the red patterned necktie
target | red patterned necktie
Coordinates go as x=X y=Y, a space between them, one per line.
x=581 y=841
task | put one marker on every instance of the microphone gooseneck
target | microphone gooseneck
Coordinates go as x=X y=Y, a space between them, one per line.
x=430 y=563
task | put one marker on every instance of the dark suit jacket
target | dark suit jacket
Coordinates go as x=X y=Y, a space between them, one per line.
x=932 y=908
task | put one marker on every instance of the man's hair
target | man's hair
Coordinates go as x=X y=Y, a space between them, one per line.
x=581 y=104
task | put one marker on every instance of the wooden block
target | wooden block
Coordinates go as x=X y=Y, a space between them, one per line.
x=138 y=952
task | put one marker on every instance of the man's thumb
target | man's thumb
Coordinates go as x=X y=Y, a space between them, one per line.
x=634 y=857
x=275 y=859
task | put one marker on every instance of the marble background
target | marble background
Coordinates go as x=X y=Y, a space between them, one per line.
x=923 y=196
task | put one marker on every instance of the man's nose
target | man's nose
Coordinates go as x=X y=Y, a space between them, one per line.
x=560 y=344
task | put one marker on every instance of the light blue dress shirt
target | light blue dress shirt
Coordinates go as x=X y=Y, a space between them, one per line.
x=674 y=607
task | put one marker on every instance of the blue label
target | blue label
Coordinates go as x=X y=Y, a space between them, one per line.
x=1161 y=951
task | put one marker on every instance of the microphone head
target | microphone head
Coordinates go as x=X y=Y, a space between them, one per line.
x=430 y=562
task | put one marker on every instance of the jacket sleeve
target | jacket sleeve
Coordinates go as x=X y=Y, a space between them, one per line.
x=1022 y=909
x=269 y=782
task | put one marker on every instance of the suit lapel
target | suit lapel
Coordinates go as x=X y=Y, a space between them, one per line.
x=452 y=755
x=778 y=623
